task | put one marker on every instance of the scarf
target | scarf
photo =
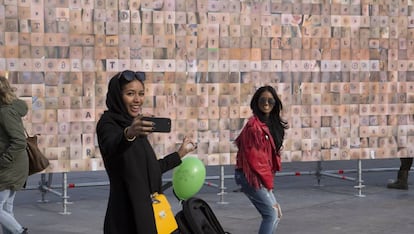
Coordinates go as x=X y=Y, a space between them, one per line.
x=115 y=104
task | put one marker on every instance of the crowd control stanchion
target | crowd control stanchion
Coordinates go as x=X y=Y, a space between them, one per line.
x=222 y=187
x=339 y=174
x=43 y=183
x=65 y=194
x=45 y=187
x=360 y=181
x=318 y=172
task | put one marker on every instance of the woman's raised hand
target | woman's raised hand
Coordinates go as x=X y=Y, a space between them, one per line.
x=186 y=147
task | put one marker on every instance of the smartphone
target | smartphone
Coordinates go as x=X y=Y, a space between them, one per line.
x=161 y=124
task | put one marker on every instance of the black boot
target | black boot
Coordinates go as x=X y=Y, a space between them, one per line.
x=401 y=182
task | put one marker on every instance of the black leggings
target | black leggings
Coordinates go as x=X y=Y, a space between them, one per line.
x=406 y=164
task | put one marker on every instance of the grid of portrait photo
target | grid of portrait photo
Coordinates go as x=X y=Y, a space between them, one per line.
x=344 y=70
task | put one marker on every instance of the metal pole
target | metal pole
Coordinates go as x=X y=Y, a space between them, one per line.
x=65 y=194
x=318 y=172
x=222 y=187
x=338 y=176
x=360 y=181
x=42 y=183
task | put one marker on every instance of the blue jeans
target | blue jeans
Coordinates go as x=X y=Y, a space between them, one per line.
x=264 y=201
x=7 y=220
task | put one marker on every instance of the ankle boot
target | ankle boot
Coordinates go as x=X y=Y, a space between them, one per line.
x=401 y=182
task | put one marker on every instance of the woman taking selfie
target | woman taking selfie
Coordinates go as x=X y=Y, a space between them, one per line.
x=130 y=161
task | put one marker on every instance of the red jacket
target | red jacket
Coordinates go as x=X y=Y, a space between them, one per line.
x=257 y=155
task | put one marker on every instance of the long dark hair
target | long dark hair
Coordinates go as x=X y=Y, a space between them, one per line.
x=275 y=123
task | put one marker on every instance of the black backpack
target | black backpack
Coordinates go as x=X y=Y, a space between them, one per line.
x=197 y=217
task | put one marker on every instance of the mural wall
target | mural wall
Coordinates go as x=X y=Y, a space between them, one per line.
x=343 y=68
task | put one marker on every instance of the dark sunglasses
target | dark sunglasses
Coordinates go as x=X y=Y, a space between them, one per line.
x=131 y=75
x=264 y=100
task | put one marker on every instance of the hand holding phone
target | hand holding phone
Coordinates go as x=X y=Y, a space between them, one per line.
x=161 y=124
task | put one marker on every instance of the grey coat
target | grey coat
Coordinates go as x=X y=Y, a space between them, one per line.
x=14 y=162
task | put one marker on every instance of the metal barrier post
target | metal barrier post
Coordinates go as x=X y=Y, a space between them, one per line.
x=222 y=187
x=65 y=194
x=360 y=181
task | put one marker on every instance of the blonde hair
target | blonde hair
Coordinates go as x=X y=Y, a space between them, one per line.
x=6 y=92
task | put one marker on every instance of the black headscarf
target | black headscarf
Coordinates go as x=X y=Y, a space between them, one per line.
x=115 y=104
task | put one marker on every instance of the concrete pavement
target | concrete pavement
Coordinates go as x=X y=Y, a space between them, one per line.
x=328 y=207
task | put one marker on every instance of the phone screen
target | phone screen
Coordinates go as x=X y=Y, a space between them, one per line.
x=161 y=124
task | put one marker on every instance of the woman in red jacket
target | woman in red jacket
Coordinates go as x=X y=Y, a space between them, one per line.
x=258 y=158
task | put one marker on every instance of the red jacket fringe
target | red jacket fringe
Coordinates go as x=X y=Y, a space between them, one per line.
x=257 y=155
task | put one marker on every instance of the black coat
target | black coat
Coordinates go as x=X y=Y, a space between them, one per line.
x=134 y=174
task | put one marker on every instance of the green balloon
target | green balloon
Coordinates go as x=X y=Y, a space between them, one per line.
x=188 y=177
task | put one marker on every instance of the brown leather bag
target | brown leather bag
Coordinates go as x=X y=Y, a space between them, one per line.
x=37 y=161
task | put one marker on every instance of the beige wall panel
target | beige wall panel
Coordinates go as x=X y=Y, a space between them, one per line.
x=344 y=72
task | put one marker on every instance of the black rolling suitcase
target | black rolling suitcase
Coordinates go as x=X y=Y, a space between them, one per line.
x=197 y=217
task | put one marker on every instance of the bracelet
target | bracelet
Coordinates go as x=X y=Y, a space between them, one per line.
x=126 y=136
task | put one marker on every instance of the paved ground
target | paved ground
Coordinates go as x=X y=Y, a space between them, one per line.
x=328 y=207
